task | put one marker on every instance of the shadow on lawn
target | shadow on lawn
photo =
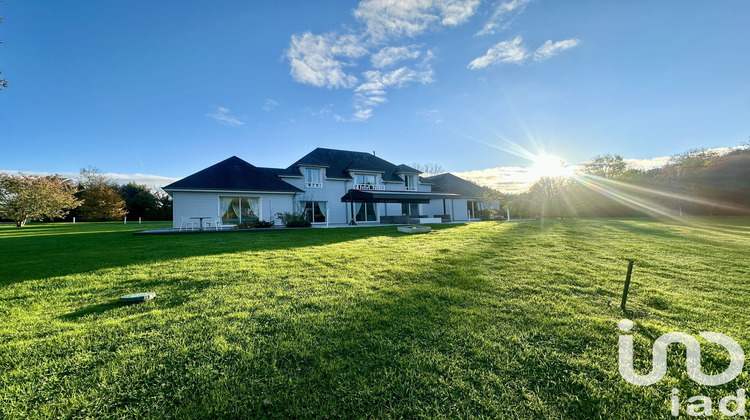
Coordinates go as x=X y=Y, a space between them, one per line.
x=65 y=254
x=445 y=345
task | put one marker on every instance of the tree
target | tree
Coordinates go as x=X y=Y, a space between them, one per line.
x=92 y=177
x=552 y=197
x=31 y=197
x=139 y=201
x=428 y=168
x=605 y=166
x=101 y=202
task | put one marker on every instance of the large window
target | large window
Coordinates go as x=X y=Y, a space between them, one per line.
x=472 y=207
x=411 y=182
x=315 y=211
x=313 y=178
x=410 y=209
x=365 y=212
x=236 y=210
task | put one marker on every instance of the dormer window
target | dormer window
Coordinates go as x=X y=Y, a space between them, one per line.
x=313 y=178
x=367 y=182
x=411 y=182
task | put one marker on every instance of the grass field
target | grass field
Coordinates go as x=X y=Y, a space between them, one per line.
x=494 y=320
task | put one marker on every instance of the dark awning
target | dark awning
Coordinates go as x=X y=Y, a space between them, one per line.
x=380 y=196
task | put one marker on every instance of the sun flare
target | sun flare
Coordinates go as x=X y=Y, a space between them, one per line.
x=549 y=166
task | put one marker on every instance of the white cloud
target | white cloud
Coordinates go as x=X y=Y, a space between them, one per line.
x=388 y=56
x=152 y=181
x=224 y=116
x=503 y=14
x=317 y=59
x=269 y=104
x=512 y=51
x=389 y=19
x=371 y=92
x=503 y=52
x=549 y=48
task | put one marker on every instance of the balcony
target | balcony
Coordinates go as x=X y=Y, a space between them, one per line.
x=368 y=187
x=313 y=185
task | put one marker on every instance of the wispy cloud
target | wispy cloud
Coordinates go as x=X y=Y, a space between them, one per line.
x=319 y=60
x=433 y=114
x=387 y=19
x=513 y=51
x=224 y=116
x=269 y=104
x=389 y=56
x=503 y=14
x=503 y=52
x=553 y=48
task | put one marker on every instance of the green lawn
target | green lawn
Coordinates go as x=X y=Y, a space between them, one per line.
x=494 y=320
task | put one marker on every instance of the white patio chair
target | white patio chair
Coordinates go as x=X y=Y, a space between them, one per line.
x=218 y=224
x=187 y=224
x=207 y=224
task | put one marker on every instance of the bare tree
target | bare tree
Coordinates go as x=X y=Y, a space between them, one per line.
x=428 y=168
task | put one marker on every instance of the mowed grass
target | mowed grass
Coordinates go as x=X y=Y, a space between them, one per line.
x=482 y=320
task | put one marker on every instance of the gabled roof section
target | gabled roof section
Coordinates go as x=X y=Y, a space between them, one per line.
x=449 y=183
x=406 y=169
x=233 y=174
x=339 y=162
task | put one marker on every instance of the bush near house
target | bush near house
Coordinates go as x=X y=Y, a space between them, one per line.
x=294 y=220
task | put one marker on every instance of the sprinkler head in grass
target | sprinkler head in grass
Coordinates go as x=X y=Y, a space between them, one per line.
x=138 y=297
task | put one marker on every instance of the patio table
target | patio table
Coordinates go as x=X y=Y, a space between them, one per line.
x=200 y=218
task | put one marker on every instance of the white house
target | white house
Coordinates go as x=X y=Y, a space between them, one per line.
x=327 y=186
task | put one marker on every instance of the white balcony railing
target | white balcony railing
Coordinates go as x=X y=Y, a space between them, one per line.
x=313 y=185
x=411 y=188
x=368 y=187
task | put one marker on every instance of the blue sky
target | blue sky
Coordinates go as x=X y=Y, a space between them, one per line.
x=167 y=88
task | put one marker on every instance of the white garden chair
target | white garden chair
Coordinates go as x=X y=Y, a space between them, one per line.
x=187 y=224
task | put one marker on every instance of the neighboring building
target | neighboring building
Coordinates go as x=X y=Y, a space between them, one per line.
x=328 y=186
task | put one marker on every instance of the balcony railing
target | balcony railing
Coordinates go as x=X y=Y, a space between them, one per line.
x=411 y=188
x=313 y=185
x=368 y=187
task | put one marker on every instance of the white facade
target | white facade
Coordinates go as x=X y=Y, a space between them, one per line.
x=207 y=204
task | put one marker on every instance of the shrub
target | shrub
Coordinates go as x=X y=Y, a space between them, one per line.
x=294 y=220
x=485 y=214
x=260 y=224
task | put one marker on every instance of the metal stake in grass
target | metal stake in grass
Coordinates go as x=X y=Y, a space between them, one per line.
x=627 y=285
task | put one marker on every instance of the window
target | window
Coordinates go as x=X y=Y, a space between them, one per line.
x=411 y=182
x=472 y=207
x=313 y=178
x=367 y=182
x=236 y=210
x=410 y=209
x=365 y=212
x=315 y=211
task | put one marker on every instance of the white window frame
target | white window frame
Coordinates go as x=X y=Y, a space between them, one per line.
x=310 y=182
x=410 y=181
x=303 y=204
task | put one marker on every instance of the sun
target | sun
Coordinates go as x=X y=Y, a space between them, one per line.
x=549 y=166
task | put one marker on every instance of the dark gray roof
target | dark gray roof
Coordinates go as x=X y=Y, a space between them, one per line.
x=282 y=171
x=449 y=183
x=232 y=174
x=338 y=162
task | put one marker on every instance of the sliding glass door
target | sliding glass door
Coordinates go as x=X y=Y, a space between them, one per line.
x=365 y=212
x=236 y=210
x=315 y=211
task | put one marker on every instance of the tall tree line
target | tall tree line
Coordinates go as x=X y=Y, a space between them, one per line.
x=696 y=182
